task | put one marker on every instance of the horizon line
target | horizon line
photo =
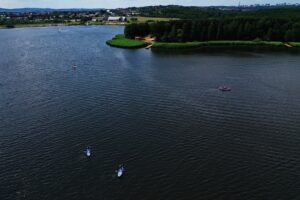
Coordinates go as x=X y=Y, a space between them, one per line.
x=243 y=5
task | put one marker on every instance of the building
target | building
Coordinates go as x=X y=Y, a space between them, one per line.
x=117 y=19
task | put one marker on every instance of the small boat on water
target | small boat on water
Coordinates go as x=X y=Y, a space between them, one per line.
x=225 y=88
x=120 y=171
x=88 y=151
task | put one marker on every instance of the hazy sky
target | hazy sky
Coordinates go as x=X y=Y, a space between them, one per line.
x=125 y=3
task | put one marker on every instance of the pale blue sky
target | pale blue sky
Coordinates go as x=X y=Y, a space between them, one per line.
x=126 y=3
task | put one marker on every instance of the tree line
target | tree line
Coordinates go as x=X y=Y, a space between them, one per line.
x=193 y=12
x=241 y=28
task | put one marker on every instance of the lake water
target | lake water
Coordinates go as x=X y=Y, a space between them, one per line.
x=158 y=113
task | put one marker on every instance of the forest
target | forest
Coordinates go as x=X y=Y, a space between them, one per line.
x=229 y=28
x=194 y=13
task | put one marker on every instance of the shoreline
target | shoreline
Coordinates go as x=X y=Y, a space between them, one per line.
x=36 y=25
x=122 y=42
x=59 y=24
x=224 y=43
x=132 y=43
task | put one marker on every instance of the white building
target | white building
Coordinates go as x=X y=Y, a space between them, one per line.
x=116 y=19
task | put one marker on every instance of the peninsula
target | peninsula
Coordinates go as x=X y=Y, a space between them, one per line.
x=276 y=27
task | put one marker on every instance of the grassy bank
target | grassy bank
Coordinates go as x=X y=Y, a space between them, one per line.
x=295 y=44
x=185 y=45
x=121 y=41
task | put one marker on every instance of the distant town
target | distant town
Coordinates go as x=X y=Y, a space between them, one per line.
x=10 y=18
x=61 y=17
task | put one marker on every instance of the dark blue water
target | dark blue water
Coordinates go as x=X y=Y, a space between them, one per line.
x=159 y=113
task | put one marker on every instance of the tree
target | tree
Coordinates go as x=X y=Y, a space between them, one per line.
x=193 y=30
x=296 y=29
x=240 y=31
x=186 y=31
x=269 y=35
x=289 y=35
x=179 y=34
x=172 y=35
x=211 y=32
x=247 y=31
x=219 y=31
x=165 y=38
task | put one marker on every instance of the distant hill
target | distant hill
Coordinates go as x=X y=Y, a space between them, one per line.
x=45 y=9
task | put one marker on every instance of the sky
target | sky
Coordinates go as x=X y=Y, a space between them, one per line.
x=127 y=3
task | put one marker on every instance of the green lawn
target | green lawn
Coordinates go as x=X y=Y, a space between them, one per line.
x=295 y=44
x=180 y=45
x=121 y=41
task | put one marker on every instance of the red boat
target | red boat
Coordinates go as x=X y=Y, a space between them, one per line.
x=225 y=88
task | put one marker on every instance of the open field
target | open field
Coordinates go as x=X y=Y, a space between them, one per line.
x=121 y=41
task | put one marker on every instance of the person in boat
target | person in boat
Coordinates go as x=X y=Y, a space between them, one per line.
x=224 y=88
x=88 y=151
x=120 y=171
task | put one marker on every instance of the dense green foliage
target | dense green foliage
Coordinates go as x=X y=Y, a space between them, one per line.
x=181 y=12
x=222 y=23
x=241 y=28
x=121 y=41
x=194 y=12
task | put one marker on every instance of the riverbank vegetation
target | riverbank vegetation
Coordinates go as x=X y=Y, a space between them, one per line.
x=187 y=45
x=121 y=41
x=295 y=44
